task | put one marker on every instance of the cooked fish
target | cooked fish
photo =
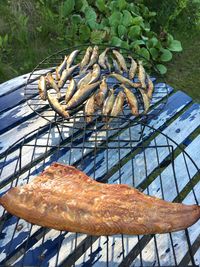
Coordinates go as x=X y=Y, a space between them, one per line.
x=146 y=100
x=141 y=74
x=70 y=90
x=120 y=59
x=85 y=80
x=132 y=101
x=96 y=72
x=133 y=68
x=61 y=67
x=124 y=80
x=102 y=92
x=81 y=95
x=108 y=104
x=150 y=87
x=102 y=58
x=116 y=66
x=42 y=88
x=86 y=57
x=65 y=75
x=118 y=105
x=60 y=109
x=53 y=84
x=107 y=64
x=94 y=57
x=71 y=58
x=90 y=108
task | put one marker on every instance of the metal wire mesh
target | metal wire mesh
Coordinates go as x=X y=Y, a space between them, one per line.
x=43 y=109
x=137 y=155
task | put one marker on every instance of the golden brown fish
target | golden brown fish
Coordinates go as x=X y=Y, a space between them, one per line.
x=86 y=58
x=133 y=68
x=71 y=89
x=53 y=84
x=89 y=108
x=94 y=57
x=102 y=92
x=108 y=104
x=42 y=88
x=102 y=58
x=66 y=74
x=150 y=87
x=60 y=109
x=120 y=59
x=124 y=80
x=117 y=106
x=141 y=75
x=61 y=67
x=132 y=101
x=146 y=100
x=71 y=58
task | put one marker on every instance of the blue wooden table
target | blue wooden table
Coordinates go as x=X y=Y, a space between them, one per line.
x=28 y=144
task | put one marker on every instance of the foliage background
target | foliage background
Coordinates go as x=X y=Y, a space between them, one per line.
x=32 y=29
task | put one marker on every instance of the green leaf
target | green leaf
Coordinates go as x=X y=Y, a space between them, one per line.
x=90 y=16
x=84 y=5
x=175 y=46
x=145 y=53
x=139 y=42
x=152 y=42
x=116 y=41
x=78 y=5
x=121 y=4
x=137 y=20
x=68 y=7
x=76 y=19
x=97 y=36
x=154 y=53
x=115 y=18
x=84 y=33
x=134 y=32
x=166 y=55
x=127 y=18
x=100 y=4
x=161 y=68
x=125 y=45
x=122 y=31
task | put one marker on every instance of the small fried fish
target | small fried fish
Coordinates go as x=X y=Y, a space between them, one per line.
x=57 y=106
x=90 y=108
x=70 y=90
x=53 y=84
x=116 y=66
x=108 y=104
x=132 y=101
x=96 y=72
x=81 y=95
x=133 y=68
x=121 y=60
x=102 y=92
x=94 y=57
x=118 y=105
x=65 y=75
x=85 y=80
x=146 y=100
x=71 y=58
x=124 y=80
x=42 y=88
x=102 y=58
x=60 y=68
x=150 y=87
x=86 y=57
x=141 y=74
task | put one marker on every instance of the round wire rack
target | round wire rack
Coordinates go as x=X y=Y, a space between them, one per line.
x=78 y=118
x=137 y=155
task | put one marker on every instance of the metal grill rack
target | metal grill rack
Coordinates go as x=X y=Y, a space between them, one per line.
x=137 y=155
x=77 y=119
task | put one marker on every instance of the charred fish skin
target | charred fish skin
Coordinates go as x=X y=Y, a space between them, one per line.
x=90 y=108
x=102 y=92
x=94 y=57
x=150 y=87
x=132 y=101
x=108 y=104
x=70 y=90
x=102 y=58
x=53 y=84
x=96 y=72
x=124 y=80
x=120 y=60
x=146 y=100
x=86 y=58
x=71 y=58
x=141 y=75
x=133 y=68
x=118 y=105
x=117 y=68
x=65 y=75
x=57 y=106
x=81 y=95
x=42 y=88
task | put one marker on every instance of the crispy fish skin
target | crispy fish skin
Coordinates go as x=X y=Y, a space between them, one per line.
x=90 y=108
x=124 y=80
x=94 y=57
x=61 y=67
x=81 y=95
x=70 y=90
x=86 y=57
x=133 y=68
x=65 y=75
x=150 y=87
x=108 y=104
x=146 y=100
x=71 y=58
x=96 y=208
x=57 y=106
x=116 y=66
x=102 y=92
x=118 y=105
x=141 y=74
x=42 y=88
x=53 y=84
x=96 y=72
x=132 y=101
x=102 y=58
x=120 y=59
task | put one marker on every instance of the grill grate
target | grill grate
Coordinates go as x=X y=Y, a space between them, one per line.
x=137 y=155
x=43 y=109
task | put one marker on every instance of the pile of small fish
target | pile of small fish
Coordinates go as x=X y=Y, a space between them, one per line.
x=88 y=87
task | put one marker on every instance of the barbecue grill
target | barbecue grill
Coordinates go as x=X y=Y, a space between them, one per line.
x=137 y=155
x=77 y=119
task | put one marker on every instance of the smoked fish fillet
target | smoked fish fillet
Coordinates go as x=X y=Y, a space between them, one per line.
x=64 y=198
